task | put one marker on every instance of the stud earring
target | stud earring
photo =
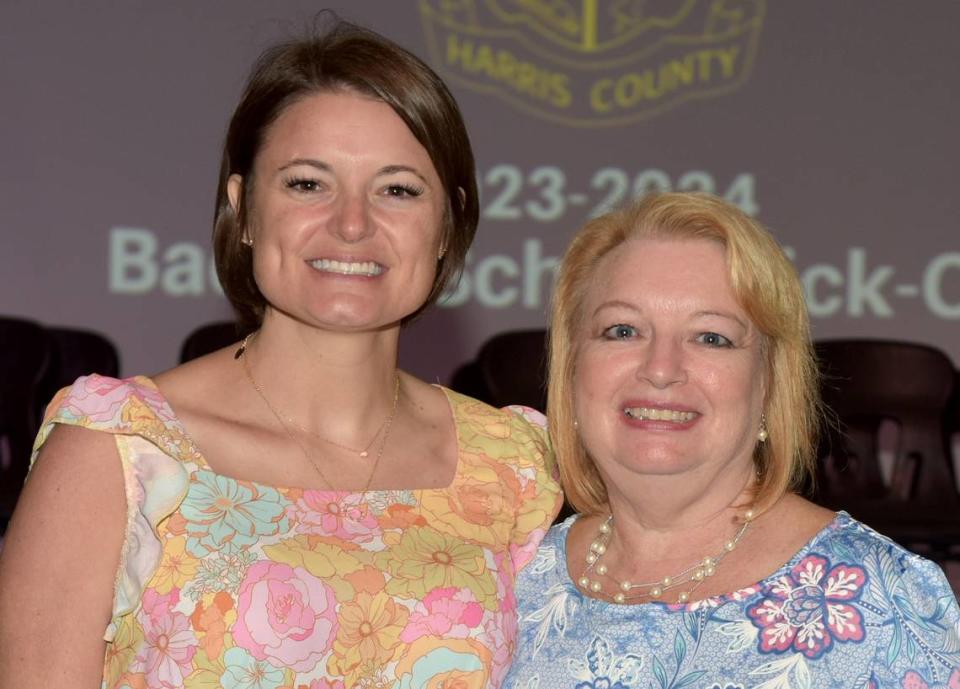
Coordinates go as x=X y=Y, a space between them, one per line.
x=576 y=424
x=762 y=434
x=246 y=241
x=443 y=252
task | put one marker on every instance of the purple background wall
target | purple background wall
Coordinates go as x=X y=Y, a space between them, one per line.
x=836 y=123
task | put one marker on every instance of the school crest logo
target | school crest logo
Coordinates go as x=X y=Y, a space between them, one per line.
x=590 y=63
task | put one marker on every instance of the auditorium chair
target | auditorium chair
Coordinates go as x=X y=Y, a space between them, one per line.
x=903 y=387
x=26 y=356
x=75 y=353
x=510 y=368
x=209 y=338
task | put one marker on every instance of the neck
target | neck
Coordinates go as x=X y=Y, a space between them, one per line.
x=325 y=380
x=679 y=518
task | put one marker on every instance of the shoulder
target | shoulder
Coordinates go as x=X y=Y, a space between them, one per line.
x=549 y=563
x=869 y=564
x=129 y=406
x=509 y=431
x=104 y=403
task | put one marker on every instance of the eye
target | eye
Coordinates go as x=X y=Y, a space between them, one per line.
x=714 y=340
x=302 y=184
x=620 y=331
x=403 y=190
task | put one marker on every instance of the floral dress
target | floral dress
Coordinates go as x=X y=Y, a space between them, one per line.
x=851 y=610
x=232 y=584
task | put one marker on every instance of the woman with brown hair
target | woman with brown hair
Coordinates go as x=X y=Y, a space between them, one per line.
x=294 y=510
x=683 y=408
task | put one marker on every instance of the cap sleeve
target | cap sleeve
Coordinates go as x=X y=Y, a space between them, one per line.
x=151 y=447
x=925 y=617
x=540 y=497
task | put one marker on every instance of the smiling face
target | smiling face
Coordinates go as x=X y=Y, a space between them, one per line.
x=669 y=372
x=344 y=215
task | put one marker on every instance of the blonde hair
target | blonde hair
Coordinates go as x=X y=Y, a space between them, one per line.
x=765 y=285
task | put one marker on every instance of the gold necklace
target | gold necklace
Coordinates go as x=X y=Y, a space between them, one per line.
x=365 y=452
x=692 y=576
x=385 y=426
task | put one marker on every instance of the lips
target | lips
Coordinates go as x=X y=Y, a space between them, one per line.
x=653 y=414
x=359 y=268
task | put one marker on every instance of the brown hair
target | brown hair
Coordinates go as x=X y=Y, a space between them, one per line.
x=765 y=285
x=343 y=57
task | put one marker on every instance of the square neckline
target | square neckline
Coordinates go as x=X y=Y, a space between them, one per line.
x=198 y=457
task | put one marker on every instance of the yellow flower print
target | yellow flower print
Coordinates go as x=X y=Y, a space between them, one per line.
x=480 y=507
x=487 y=429
x=121 y=650
x=369 y=635
x=426 y=559
x=434 y=663
x=177 y=567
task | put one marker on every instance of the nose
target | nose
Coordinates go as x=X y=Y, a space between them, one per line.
x=662 y=363
x=352 y=222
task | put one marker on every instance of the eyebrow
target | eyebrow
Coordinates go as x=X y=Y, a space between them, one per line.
x=312 y=162
x=325 y=167
x=618 y=303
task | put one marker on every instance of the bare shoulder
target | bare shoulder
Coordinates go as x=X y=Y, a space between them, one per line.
x=59 y=561
x=189 y=385
x=788 y=526
x=806 y=517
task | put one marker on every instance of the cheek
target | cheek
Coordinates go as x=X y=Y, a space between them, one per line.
x=736 y=386
x=595 y=382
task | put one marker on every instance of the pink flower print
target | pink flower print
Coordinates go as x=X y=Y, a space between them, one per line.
x=714 y=601
x=158 y=606
x=326 y=684
x=810 y=608
x=168 y=645
x=100 y=399
x=448 y=612
x=522 y=554
x=502 y=627
x=285 y=616
x=345 y=515
x=914 y=680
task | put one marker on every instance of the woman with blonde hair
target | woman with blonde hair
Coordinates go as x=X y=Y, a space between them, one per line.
x=683 y=409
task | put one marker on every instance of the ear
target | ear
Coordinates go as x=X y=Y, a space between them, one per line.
x=234 y=189
x=461 y=192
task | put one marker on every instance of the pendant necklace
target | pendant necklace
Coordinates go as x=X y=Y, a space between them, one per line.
x=285 y=425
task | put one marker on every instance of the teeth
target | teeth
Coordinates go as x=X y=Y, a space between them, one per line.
x=645 y=414
x=365 y=268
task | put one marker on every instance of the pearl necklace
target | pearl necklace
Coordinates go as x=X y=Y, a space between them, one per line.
x=694 y=575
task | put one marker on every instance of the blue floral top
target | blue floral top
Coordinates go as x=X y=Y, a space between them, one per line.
x=852 y=609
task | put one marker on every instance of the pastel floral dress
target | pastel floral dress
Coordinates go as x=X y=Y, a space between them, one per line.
x=851 y=610
x=231 y=584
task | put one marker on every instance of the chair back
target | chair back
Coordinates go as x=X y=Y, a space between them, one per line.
x=889 y=398
x=25 y=348
x=209 y=338
x=513 y=367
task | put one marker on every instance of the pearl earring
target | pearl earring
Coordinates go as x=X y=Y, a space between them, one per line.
x=246 y=241
x=762 y=434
